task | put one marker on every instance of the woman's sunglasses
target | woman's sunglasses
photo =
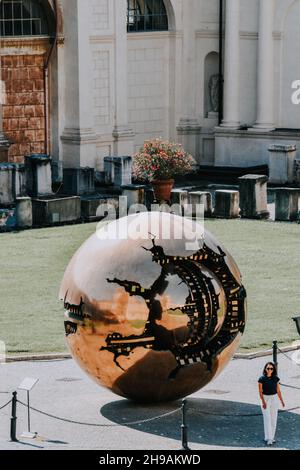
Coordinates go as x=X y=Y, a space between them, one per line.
x=270 y=368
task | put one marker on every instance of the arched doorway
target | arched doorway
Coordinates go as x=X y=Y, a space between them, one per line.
x=27 y=28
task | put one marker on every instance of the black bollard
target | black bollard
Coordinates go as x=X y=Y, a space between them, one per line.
x=184 y=428
x=13 y=420
x=275 y=354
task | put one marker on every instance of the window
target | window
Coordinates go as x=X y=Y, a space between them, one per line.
x=146 y=15
x=23 y=18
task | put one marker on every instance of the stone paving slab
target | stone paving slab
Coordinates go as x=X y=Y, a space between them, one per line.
x=214 y=413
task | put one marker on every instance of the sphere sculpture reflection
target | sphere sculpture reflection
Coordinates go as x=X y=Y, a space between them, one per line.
x=153 y=318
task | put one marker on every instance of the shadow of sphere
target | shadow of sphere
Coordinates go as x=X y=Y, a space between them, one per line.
x=218 y=423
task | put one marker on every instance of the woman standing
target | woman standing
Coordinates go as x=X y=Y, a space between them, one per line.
x=269 y=392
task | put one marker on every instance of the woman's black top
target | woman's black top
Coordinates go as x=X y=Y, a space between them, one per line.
x=269 y=384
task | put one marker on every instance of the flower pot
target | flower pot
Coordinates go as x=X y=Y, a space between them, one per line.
x=162 y=189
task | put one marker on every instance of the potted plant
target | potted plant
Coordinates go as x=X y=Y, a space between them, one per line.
x=158 y=162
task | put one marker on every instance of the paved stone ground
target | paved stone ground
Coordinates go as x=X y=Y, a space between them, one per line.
x=65 y=391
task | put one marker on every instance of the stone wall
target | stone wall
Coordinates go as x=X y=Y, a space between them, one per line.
x=101 y=88
x=148 y=86
x=24 y=108
x=100 y=16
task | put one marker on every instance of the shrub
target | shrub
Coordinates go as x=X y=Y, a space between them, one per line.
x=160 y=160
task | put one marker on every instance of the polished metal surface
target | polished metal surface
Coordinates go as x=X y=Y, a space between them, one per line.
x=153 y=317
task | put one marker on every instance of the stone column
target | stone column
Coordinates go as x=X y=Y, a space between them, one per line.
x=61 y=89
x=232 y=66
x=122 y=134
x=78 y=138
x=188 y=129
x=265 y=67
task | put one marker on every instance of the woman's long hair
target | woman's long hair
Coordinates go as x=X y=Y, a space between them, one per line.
x=274 y=373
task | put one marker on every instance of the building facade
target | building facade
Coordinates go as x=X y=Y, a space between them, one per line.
x=85 y=79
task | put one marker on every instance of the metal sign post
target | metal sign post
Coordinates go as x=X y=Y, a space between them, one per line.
x=28 y=385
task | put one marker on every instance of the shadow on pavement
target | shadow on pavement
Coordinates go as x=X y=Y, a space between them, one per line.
x=211 y=422
x=27 y=444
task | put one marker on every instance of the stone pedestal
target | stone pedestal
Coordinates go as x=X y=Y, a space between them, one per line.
x=201 y=198
x=227 y=204
x=47 y=212
x=118 y=171
x=91 y=206
x=135 y=194
x=254 y=197
x=7 y=190
x=100 y=178
x=180 y=196
x=297 y=172
x=12 y=183
x=149 y=198
x=20 y=180
x=282 y=163
x=287 y=204
x=38 y=175
x=79 y=181
x=23 y=212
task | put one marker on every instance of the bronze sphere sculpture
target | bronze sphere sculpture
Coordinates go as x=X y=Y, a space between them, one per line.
x=153 y=317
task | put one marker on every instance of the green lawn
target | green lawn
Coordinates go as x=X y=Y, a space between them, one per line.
x=33 y=263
